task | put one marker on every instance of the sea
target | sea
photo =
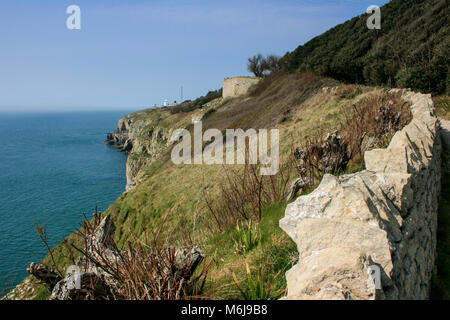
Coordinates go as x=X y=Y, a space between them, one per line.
x=54 y=166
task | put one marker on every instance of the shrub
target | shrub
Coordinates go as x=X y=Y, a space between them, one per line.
x=442 y=104
x=377 y=117
x=198 y=103
x=247 y=236
x=370 y=123
x=149 y=269
x=261 y=66
x=411 y=50
x=243 y=195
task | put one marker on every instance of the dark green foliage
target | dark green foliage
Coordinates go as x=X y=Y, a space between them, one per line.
x=411 y=49
x=198 y=103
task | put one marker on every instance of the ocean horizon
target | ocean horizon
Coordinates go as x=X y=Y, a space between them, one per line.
x=54 y=166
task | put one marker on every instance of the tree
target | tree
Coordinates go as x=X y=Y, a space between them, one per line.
x=254 y=65
x=261 y=66
x=406 y=52
x=272 y=62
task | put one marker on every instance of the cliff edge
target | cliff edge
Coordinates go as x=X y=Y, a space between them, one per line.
x=145 y=136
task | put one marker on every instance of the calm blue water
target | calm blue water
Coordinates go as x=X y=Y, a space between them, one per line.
x=53 y=168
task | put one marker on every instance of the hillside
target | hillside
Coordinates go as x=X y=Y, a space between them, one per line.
x=304 y=107
x=410 y=51
x=326 y=124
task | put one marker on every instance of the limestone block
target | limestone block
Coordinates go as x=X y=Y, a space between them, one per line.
x=385 y=215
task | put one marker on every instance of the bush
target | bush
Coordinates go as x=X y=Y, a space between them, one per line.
x=244 y=194
x=368 y=124
x=189 y=106
x=261 y=66
x=150 y=269
x=411 y=49
x=248 y=236
x=442 y=105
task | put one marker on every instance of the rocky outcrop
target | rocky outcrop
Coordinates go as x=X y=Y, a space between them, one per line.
x=142 y=140
x=120 y=138
x=46 y=274
x=145 y=135
x=147 y=147
x=383 y=218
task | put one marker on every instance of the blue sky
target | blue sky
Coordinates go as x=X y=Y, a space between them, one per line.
x=133 y=54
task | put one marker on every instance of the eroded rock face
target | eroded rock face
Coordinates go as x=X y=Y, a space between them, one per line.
x=145 y=136
x=46 y=274
x=91 y=286
x=384 y=216
x=144 y=142
x=121 y=137
x=147 y=147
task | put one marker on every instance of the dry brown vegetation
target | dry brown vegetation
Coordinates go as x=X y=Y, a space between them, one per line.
x=149 y=269
x=268 y=102
x=369 y=123
x=243 y=195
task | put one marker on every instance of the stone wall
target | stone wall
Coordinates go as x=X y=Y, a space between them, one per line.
x=234 y=87
x=384 y=216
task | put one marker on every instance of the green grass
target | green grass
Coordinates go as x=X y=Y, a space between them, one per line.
x=258 y=286
x=180 y=188
x=355 y=165
x=268 y=262
x=441 y=281
x=42 y=293
x=277 y=255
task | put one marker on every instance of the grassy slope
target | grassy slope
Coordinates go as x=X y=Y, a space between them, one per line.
x=294 y=103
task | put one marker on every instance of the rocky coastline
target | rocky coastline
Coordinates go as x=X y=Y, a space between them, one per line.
x=120 y=138
x=143 y=139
